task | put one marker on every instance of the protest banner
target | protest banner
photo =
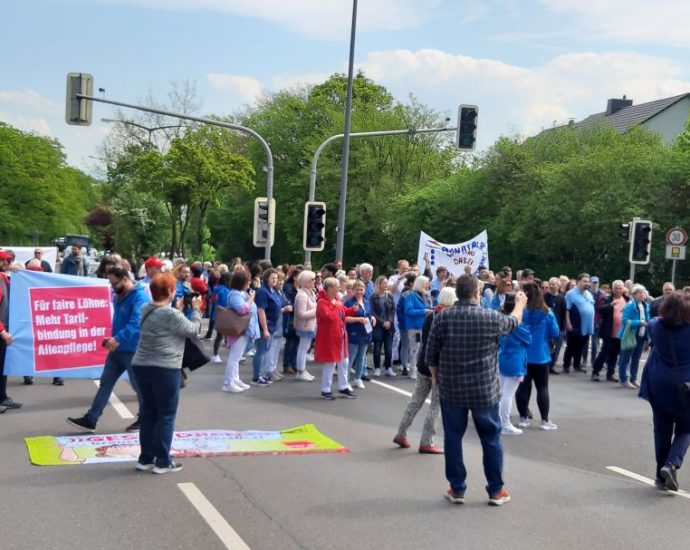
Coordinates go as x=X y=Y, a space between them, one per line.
x=454 y=257
x=98 y=449
x=58 y=323
x=23 y=254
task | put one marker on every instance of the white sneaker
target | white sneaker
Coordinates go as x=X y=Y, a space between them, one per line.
x=390 y=372
x=358 y=384
x=243 y=359
x=304 y=376
x=511 y=430
x=232 y=388
x=251 y=353
x=309 y=375
x=310 y=357
x=276 y=376
x=216 y=359
x=377 y=372
x=413 y=374
x=548 y=426
x=524 y=422
x=241 y=384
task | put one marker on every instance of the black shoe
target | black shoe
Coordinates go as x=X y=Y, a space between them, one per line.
x=83 y=423
x=595 y=377
x=328 y=396
x=397 y=362
x=404 y=372
x=58 y=381
x=566 y=370
x=2 y=409
x=347 y=393
x=580 y=369
x=365 y=378
x=529 y=414
x=10 y=404
x=134 y=426
x=554 y=371
x=668 y=474
x=660 y=484
x=28 y=380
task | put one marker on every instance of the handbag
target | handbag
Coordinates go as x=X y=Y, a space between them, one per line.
x=629 y=340
x=683 y=387
x=195 y=356
x=231 y=323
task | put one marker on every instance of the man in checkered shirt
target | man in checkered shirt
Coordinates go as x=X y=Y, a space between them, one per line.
x=462 y=357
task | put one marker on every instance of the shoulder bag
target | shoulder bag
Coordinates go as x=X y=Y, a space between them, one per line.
x=231 y=323
x=629 y=340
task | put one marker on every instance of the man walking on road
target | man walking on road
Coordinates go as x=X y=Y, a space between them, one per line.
x=130 y=297
x=462 y=356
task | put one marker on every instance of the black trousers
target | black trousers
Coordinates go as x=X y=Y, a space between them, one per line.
x=608 y=354
x=3 y=378
x=539 y=374
x=576 y=343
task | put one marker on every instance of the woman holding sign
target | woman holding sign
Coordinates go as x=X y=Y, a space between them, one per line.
x=157 y=365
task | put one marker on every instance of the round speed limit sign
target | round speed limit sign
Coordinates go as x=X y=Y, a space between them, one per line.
x=676 y=236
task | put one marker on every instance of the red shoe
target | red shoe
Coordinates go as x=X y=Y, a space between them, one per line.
x=402 y=441
x=430 y=450
x=499 y=498
x=455 y=498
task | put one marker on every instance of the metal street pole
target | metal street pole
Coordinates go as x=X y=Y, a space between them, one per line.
x=320 y=148
x=340 y=240
x=673 y=273
x=244 y=129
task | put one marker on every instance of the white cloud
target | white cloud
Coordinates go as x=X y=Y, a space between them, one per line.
x=287 y=82
x=326 y=19
x=236 y=89
x=28 y=99
x=662 y=21
x=524 y=99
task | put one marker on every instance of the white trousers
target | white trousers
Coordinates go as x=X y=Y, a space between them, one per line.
x=302 y=350
x=273 y=354
x=327 y=375
x=509 y=385
x=235 y=353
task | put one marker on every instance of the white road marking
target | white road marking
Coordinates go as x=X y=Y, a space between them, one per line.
x=118 y=405
x=396 y=390
x=227 y=535
x=642 y=479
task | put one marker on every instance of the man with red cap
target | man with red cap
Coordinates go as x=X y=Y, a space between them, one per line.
x=6 y=402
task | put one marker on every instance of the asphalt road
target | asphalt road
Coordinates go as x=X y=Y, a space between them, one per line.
x=378 y=496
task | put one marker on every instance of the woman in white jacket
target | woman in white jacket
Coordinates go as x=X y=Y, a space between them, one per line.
x=305 y=321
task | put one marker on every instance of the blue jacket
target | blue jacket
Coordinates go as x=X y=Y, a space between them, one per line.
x=415 y=311
x=127 y=318
x=512 y=352
x=356 y=333
x=69 y=266
x=222 y=293
x=542 y=327
x=400 y=310
x=659 y=378
x=631 y=313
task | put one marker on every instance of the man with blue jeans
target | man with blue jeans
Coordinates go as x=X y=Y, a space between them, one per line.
x=129 y=298
x=462 y=354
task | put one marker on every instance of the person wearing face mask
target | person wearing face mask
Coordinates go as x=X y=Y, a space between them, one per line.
x=129 y=299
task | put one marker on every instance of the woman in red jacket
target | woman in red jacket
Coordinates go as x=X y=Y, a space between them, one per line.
x=331 y=339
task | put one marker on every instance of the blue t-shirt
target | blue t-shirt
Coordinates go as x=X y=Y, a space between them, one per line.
x=581 y=308
x=269 y=300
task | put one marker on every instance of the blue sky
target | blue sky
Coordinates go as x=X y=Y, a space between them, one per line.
x=526 y=63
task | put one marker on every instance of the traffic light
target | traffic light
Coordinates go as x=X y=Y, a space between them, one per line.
x=640 y=242
x=624 y=231
x=77 y=110
x=314 y=226
x=264 y=222
x=468 y=117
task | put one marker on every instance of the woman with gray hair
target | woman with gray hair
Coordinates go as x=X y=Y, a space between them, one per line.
x=305 y=321
x=417 y=305
x=636 y=312
x=424 y=386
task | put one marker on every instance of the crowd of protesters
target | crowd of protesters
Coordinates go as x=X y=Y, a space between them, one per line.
x=335 y=317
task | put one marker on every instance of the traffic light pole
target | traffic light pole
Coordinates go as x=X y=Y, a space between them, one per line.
x=211 y=122
x=320 y=148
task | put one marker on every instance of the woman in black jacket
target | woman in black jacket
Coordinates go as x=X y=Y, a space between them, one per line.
x=383 y=310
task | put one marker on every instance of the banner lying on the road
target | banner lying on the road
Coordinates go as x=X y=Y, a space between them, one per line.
x=23 y=254
x=96 y=449
x=58 y=323
x=454 y=257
